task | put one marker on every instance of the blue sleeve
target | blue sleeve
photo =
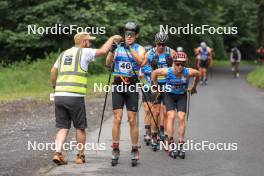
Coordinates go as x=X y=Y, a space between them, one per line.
x=186 y=72
x=150 y=57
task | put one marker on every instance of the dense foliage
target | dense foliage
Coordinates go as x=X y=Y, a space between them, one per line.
x=17 y=45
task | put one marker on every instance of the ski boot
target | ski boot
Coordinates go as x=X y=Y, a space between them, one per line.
x=147 y=139
x=154 y=144
x=181 y=152
x=205 y=82
x=162 y=136
x=172 y=151
x=134 y=156
x=201 y=81
x=166 y=140
x=115 y=155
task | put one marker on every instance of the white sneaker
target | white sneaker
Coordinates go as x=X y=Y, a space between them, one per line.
x=237 y=75
x=233 y=69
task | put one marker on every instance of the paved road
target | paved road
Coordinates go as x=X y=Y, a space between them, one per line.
x=227 y=110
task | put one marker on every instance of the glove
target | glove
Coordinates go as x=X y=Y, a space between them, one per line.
x=154 y=63
x=169 y=61
x=113 y=47
x=123 y=44
x=192 y=90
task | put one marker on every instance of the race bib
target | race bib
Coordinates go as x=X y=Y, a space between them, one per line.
x=125 y=67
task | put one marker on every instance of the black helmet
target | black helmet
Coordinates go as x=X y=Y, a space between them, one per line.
x=161 y=37
x=132 y=26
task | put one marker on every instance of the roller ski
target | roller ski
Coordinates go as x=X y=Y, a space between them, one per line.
x=134 y=156
x=115 y=156
x=181 y=152
x=203 y=81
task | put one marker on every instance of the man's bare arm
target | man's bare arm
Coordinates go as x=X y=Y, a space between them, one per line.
x=53 y=76
x=194 y=73
x=156 y=73
x=145 y=60
x=109 y=59
x=107 y=45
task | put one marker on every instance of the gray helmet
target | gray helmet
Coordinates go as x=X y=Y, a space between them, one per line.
x=132 y=26
x=179 y=49
x=203 y=45
x=161 y=37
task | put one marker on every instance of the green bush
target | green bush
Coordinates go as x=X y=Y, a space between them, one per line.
x=256 y=77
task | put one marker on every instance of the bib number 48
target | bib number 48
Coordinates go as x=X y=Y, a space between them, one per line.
x=125 y=66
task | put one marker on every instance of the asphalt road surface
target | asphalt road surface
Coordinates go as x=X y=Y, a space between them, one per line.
x=228 y=110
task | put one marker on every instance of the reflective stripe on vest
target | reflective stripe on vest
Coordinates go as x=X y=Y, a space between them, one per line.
x=71 y=78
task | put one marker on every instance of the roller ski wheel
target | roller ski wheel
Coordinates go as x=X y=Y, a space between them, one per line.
x=147 y=139
x=115 y=156
x=134 y=157
x=148 y=142
x=173 y=154
x=181 y=152
x=154 y=145
x=205 y=82
x=181 y=155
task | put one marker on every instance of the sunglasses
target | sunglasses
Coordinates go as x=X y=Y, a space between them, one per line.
x=161 y=44
x=180 y=64
x=130 y=33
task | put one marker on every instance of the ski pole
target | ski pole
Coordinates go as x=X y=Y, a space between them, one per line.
x=188 y=104
x=106 y=94
x=144 y=95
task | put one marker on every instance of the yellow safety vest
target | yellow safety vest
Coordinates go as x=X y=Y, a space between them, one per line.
x=71 y=78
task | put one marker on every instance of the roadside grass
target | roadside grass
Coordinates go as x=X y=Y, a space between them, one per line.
x=32 y=81
x=226 y=63
x=256 y=77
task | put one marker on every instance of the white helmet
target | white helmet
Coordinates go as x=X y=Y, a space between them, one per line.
x=203 y=45
x=179 y=49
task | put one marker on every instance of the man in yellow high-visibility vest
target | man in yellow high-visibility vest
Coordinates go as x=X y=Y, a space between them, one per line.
x=69 y=80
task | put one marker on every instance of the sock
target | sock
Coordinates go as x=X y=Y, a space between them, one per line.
x=162 y=128
x=115 y=145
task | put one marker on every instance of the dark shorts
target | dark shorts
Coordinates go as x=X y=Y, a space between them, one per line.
x=121 y=98
x=173 y=101
x=204 y=63
x=70 y=109
x=158 y=97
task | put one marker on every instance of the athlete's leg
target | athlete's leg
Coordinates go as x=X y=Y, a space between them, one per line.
x=205 y=73
x=156 y=112
x=182 y=125
x=147 y=117
x=170 y=123
x=132 y=118
x=116 y=125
